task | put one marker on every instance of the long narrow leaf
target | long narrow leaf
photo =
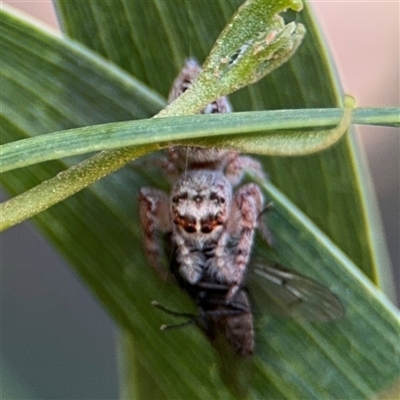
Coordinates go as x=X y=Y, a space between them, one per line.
x=278 y=142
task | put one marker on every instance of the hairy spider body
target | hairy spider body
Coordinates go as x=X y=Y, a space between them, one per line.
x=211 y=224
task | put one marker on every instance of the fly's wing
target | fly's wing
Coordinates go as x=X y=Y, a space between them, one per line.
x=287 y=293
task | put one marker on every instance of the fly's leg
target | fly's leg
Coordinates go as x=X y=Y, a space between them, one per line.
x=154 y=218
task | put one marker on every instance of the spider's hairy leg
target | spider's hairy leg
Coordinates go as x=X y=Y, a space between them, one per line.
x=235 y=171
x=188 y=74
x=247 y=205
x=239 y=165
x=154 y=219
x=170 y=164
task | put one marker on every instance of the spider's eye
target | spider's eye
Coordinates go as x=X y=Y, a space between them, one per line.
x=178 y=198
x=190 y=229
x=214 y=197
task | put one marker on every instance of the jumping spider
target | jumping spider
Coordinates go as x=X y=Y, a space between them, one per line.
x=212 y=224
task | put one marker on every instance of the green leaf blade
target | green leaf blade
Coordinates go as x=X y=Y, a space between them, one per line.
x=176 y=130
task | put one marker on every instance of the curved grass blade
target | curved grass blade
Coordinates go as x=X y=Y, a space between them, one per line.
x=243 y=53
x=274 y=137
x=275 y=140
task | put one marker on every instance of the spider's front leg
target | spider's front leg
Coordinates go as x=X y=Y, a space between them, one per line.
x=235 y=171
x=154 y=219
x=238 y=165
x=247 y=206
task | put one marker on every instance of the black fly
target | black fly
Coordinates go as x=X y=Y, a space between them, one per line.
x=285 y=293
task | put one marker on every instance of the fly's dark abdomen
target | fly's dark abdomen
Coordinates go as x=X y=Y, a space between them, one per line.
x=227 y=321
x=238 y=329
